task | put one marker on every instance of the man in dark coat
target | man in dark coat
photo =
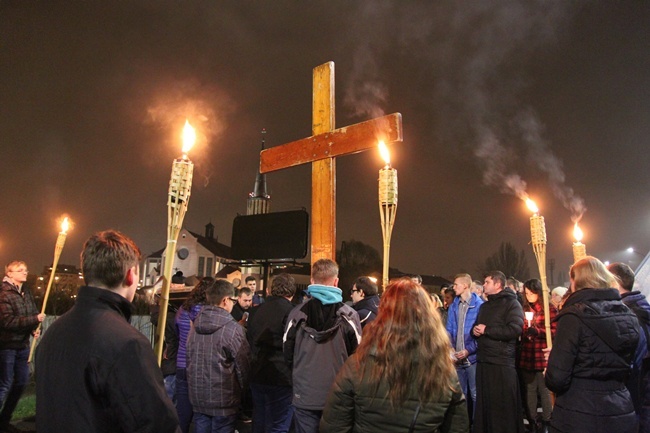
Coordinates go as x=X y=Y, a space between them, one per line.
x=500 y=322
x=18 y=320
x=638 y=383
x=96 y=372
x=366 y=302
x=271 y=376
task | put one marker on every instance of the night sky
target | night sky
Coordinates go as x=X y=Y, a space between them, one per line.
x=556 y=94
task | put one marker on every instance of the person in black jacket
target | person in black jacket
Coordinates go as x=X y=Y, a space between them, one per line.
x=595 y=341
x=271 y=377
x=500 y=322
x=366 y=302
x=638 y=383
x=96 y=372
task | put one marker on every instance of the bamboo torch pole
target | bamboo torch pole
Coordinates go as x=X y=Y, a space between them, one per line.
x=60 y=242
x=538 y=239
x=387 y=206
x=180 y=185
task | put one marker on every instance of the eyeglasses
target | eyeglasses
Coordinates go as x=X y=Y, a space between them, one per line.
x=233 y=299
x=355 y=290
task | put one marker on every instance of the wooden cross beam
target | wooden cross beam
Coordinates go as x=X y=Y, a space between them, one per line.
x=320 y=150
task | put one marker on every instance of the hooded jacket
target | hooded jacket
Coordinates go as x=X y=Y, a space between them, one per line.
x=595 y=341
x=319 y=337
x=218 y=362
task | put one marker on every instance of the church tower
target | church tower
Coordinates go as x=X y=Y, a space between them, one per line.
x=259 y=202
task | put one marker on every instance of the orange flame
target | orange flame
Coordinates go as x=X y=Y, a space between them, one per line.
x=65 y=225
x=577 y=232
x=531 y=205
x=383 y=151
x=189 y=137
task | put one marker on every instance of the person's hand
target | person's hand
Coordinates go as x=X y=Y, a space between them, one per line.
x=461 y=354
x=479 y=330
x=532 y=332
x=40 y=317
x=547 y=353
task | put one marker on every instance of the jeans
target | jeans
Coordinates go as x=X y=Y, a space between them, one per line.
x=170 y=386
x=183 y=405
x=467 y=379
x=214 y=424
x=272 y=409
x=14 y=375
x=306 y=421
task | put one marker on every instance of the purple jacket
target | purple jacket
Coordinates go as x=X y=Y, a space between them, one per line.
x=184 y=321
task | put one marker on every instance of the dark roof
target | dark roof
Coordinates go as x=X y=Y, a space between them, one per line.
x=214 y=246
x=156 y=254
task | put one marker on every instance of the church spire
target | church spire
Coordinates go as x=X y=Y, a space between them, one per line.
x=259 y=201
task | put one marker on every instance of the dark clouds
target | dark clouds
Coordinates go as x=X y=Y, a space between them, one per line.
x=93 y=97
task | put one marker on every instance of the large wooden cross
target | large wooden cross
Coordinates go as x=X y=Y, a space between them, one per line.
x=320 y=149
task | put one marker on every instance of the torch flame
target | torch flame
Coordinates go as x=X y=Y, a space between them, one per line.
x=383 y=151
x=65 y=225
x=529 y=315
x=577 y=232
x=189 y=137
x=531 y=205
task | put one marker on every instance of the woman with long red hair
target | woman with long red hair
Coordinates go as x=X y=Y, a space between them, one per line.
x=401 y=377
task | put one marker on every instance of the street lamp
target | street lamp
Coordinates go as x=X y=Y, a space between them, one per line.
x=632 y=250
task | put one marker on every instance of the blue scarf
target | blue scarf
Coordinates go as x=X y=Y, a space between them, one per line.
x=326 y=294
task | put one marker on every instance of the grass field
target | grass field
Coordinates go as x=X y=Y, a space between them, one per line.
x=27 y=405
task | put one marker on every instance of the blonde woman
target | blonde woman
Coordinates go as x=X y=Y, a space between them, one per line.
x=593 y=348
x=401 y=377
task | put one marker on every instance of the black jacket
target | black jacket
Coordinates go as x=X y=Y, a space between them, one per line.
x=503 y=318
x=367 y=309
x=97 y=373
x=592 y=352
x=265 y=330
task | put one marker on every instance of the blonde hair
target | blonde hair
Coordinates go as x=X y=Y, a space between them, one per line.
x=13 y=265
x=591 y=273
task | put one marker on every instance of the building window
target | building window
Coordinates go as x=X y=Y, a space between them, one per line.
x=209 y=269
x=201 y=264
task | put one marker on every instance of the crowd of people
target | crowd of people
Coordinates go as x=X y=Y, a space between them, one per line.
x=474 y=359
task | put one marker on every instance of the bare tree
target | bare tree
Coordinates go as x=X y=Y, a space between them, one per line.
x=508 y=261
x=356 y=259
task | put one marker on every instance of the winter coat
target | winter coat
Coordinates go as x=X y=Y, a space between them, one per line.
x=97 y=373
x=353 y=407
x=474 y=305
x=367 y=309
x=265 y=330
x=639 y=381
x=317 y=340
x=18 y=316
x=184 y=321
x=504 y=319
x=218 y=358
x=592 y=352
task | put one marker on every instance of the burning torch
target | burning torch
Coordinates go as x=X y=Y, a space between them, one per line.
x=180 y=185
x=387 y=205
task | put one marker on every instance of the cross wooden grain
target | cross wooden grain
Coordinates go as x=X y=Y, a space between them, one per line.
x=321 y=149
